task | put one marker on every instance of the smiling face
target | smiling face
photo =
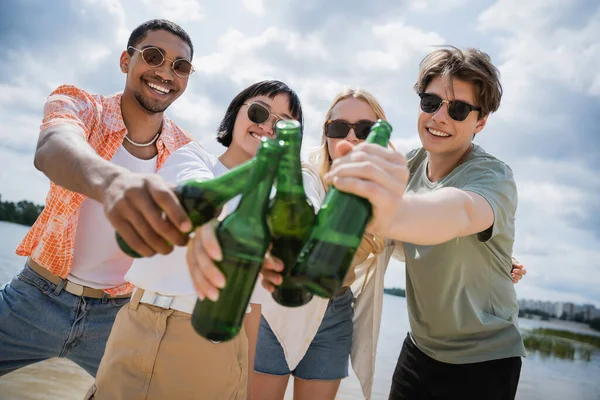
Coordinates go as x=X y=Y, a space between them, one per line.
x=352 y=110
x=155 y=88
x=247 y=134
x=439 y=133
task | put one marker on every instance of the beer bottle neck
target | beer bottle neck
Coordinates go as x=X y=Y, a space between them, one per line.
x=259 y=187
x=221 y=189
x=289 y=175
x=380 y=133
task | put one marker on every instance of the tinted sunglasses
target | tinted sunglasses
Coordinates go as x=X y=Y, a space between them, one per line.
x=259 y=114
x=339 y=128
x=457 y=110
x=154 y=58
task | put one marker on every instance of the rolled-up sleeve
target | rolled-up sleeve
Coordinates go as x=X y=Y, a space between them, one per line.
x=69 y=105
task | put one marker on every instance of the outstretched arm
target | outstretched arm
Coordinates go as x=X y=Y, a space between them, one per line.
x=381 y=176
x=133 y=203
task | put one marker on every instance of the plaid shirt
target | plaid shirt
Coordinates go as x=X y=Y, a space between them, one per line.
x=51 y=240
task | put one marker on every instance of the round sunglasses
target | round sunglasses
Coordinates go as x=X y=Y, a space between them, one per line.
x=339 y=128
x=259 y=114
x=154 y=58
x=457 y=110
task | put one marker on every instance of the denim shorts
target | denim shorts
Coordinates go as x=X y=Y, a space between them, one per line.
x=327 y=356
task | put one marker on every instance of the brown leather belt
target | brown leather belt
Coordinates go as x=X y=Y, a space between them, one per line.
x=72 y=287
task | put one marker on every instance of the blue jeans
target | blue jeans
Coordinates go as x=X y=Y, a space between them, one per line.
x=39 y=320
x=328 y=354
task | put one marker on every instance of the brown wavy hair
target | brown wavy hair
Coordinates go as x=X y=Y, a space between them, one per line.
x=470 y=65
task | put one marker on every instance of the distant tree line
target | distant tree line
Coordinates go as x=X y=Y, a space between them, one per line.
x=395 y=292
x=526 y=312
x=23 y=212
x=578 y=317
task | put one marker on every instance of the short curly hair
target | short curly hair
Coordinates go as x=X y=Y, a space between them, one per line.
x=140 y=32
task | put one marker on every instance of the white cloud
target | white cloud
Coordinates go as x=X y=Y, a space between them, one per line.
x=541 y=48
x=21 y=181
x=516 y=15
x=560 y=255
x=559 y=200
x=179 y=11
x=114 y=7
x=403 y=47
x=14 y=95
x=241 y=57
x=435 y=5
x=203 y=115
x=256 y=7
x=20 y=110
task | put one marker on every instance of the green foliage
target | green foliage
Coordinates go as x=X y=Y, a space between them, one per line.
x=579 y=317
x=548 y=346
x=24 y=212
x=564 y=316
x=525 y=312
x=561 y=344
x=579 y=337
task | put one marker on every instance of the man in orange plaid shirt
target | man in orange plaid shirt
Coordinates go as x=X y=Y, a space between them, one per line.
x=101 y=154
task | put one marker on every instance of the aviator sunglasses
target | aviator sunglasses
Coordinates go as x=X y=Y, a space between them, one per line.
x=339 y=128
x=457 y=110
x=154 y=58
x=259 y=114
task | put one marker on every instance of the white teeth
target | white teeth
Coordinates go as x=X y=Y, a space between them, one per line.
x=438 y=133
x=255 y=136
x=161 y=89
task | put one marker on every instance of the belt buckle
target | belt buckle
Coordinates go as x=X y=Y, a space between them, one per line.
x=74 y=288
x=161 y=301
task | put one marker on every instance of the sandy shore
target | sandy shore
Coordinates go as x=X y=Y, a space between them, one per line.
x=63 y=379
x=53 y=379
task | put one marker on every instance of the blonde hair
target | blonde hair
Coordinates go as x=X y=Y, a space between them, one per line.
x=322 y=159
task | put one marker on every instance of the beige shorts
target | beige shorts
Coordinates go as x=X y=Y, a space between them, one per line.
x=154 y=353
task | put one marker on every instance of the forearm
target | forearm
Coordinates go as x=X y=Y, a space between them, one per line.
x=65 y=157
x=433 y=218
x=251 y=326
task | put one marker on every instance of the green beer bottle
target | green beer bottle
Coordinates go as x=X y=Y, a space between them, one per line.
x=203 y=200
x=244 y=238
x=291 y=215
x=341 y=221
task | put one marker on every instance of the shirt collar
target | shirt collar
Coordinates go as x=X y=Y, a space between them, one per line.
x=114 y=119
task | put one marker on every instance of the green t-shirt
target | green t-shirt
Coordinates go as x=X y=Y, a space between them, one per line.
x=461 y=300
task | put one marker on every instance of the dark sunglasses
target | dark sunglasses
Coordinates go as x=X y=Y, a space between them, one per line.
x=154 y=58
x=457 y=110
x=259 y=114
x=339 y=128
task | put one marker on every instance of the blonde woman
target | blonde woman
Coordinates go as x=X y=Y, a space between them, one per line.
x=313 y=342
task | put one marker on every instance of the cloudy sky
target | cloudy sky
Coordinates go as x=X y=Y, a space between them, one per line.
x=546 y=129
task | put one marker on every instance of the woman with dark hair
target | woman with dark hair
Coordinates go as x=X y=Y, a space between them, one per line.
x=253 y=94
x=153 y=351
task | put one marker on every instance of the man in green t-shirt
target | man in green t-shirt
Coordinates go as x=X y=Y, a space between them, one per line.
x=453 y=206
